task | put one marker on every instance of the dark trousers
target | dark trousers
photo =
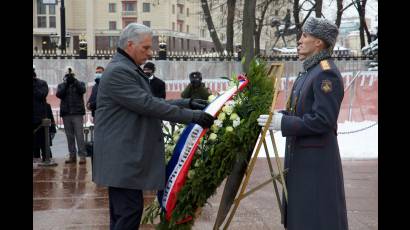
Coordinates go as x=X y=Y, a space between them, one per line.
x=126 y=206
x=39 y=142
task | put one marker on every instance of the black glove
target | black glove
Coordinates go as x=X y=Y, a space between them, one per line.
x=203 y=119
x=198 y=104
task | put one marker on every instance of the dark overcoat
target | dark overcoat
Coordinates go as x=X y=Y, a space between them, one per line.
x=316 y=197
x=128 y=138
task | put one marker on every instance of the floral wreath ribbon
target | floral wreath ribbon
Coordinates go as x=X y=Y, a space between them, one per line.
x=177 y=168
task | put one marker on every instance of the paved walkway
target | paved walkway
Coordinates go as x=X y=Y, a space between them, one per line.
x=64 y=197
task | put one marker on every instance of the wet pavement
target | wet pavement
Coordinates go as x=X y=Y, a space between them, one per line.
x=64 y=197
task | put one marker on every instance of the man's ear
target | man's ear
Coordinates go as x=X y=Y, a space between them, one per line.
x=320 y=43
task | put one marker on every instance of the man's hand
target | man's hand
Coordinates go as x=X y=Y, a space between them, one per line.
x=198 y=104
x=275 y=123
x=203 y=119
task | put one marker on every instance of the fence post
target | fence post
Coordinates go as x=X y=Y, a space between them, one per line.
x=351 y=96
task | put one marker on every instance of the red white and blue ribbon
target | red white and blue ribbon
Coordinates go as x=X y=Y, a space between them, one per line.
x=177 y=168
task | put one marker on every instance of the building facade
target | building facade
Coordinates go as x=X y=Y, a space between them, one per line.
x=100 y=22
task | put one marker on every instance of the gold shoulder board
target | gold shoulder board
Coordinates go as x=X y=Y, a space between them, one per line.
x=325 y=65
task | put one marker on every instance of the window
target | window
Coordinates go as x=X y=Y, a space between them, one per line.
x=180 y=27
x=182 y=44
x=52 y=22
x=173 y=9
x=41 y=21
x=147 y=23
x=112 y=25
x=187 y=44
x=126 y=21
x=146 y=7
x=41 y=8
x=181 y=9
x=111 y=7
x=187 y=12
x=128 y=6
x=173 y=26
x=276 y=12
x=187 y=28
x=222 y=9
x=52 y=9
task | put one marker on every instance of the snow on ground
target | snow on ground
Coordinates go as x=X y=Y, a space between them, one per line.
x=358 y=145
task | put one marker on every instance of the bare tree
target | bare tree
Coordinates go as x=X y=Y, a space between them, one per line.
x=259 y=24
x=318 y=8
x=361 y=6
x=211 y=27
x=296 y=11
x=339 y=13
x=248 y=28
x=229 y=25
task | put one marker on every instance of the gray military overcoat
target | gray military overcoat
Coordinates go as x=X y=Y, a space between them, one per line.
x=128 y=141
x=315 y=178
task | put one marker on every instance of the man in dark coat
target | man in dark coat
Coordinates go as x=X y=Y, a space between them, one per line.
x=128 y=141
x=40 y=92
x=157 y=85
x=92 y=100
x=316 y=196
x=196 y=89
x=72 y=110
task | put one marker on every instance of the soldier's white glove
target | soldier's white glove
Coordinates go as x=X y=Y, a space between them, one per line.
x=275 y=123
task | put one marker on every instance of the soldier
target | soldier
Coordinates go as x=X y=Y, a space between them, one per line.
x=316 y=196
x=196 y=89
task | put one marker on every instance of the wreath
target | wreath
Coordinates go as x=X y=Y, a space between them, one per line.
x=232 y=137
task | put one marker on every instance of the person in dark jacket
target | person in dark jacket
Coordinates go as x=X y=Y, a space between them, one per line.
x=92 y=101
x=40 y=92
x=196 y=89
x=316 y=196
x=72 y=110
x=128 y=140
x=157 y=85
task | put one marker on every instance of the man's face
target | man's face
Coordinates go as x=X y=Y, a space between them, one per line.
x=147 y=71
x=142 y=51
x=307 y=46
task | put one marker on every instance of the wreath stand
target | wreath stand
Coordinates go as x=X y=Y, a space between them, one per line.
x=275 y=72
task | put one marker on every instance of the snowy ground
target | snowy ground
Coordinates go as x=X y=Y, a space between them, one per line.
x=359 y=145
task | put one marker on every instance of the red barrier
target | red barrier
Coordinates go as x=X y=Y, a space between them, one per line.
x=360 y=100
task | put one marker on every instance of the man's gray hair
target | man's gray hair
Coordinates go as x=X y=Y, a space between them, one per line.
x=133 y=32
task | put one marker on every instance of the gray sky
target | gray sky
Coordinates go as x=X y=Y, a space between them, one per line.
x=329 y=10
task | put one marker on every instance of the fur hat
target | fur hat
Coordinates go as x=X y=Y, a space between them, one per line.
x=322 y=29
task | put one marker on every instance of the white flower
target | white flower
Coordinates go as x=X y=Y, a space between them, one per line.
x=228 y=109
x=229 y=129
x=221 y=116
x=211 y=98
x=234 y=116
x=215 y=128
x=197 y=163
x=212 y=136
x=191 y=173
x=169 y=148
x=175 y=137
x=236 y=122
x=218 y=123
x=238 y=101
